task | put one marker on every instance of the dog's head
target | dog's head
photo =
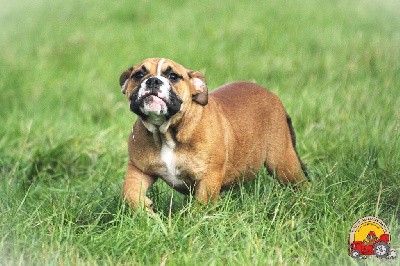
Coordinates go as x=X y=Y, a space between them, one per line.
x=158 y=89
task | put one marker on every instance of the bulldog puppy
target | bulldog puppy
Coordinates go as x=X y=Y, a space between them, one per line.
x=199 y=142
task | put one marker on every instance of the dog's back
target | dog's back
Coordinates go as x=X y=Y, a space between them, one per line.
x=265 y=130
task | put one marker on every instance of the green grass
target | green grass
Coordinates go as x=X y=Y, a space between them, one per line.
x=64 y=125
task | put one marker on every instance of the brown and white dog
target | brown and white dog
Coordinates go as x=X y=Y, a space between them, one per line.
x=199 y=142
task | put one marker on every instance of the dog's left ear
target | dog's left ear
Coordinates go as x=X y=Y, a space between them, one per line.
x=124 y=78
x=199 y=83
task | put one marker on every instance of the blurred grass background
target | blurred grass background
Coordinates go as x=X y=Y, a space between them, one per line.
x=64 y=124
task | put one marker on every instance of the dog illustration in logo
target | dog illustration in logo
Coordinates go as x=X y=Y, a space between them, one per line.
x=370 y=239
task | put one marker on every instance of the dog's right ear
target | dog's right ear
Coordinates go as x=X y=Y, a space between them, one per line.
x=123 y=79
x=199 y=83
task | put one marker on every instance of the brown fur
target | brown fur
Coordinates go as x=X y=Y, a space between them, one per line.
x=242 y=128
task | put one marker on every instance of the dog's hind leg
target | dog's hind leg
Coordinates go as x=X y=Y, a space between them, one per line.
x=287 y=168
x=283 y=160
x=293 y=140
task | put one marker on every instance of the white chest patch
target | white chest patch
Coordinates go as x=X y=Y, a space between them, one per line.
x=168 y=157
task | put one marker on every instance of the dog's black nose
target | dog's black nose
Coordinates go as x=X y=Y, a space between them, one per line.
x=153 y=82
x=153 y=85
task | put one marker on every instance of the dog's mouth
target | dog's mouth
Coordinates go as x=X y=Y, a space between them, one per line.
x=154 y=105
x=149 y=97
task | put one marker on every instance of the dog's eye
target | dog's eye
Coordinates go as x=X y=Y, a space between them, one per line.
x=173 y=77
x=138 y=75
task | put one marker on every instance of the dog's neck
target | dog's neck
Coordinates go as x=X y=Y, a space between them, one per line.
x=161 y=131
x=156 y=123
x=179 y=127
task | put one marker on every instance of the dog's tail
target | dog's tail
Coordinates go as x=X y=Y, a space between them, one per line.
x=293 y=136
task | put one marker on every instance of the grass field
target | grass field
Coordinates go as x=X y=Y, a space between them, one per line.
x=64 y=125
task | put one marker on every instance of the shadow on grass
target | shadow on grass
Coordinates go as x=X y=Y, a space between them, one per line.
x=263 y=189
x=67 y=158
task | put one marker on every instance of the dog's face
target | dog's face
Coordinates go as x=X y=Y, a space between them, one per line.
x=158 y=89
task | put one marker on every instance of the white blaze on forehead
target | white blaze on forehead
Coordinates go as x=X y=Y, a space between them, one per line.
x=159 y=66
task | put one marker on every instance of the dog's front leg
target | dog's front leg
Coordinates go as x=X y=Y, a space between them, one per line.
x=135 y=187
x=207 y=189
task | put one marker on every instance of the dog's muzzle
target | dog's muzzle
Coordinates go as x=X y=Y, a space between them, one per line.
x=155 y=97
x=153 y=85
